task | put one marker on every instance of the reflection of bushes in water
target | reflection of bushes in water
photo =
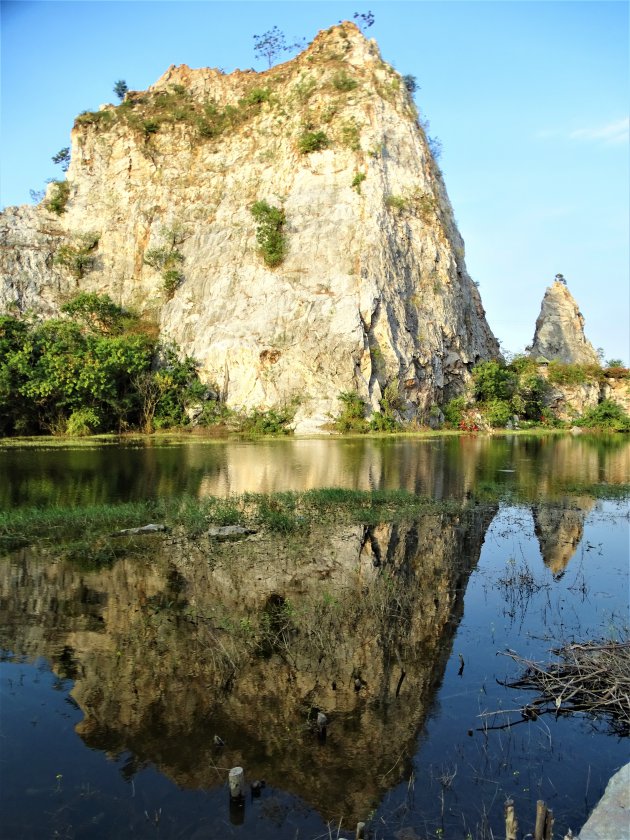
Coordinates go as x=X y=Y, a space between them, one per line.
x=276 y=626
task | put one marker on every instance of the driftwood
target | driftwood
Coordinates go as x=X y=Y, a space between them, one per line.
x=593 y=678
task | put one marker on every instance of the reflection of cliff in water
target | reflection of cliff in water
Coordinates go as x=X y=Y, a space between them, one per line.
x=248 y=640
x=449 y=467
x=559 y=530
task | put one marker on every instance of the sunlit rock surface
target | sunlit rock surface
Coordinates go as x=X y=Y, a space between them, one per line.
x=610 y=819
x=373 y=290
x=559 y=335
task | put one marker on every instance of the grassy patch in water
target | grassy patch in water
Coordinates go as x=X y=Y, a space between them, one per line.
x=281 y=513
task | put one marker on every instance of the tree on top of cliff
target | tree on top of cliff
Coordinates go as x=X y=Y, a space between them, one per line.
x=364 y=19
x=272 y=43
x=120 y=89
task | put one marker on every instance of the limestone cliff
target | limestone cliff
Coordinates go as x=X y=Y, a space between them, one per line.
x=559 y=335
x=372 y=288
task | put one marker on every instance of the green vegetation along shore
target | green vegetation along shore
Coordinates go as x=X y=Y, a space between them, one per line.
x=99 y=368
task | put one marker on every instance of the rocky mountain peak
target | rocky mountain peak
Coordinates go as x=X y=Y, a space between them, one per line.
x=353 y=278
x=559 y=335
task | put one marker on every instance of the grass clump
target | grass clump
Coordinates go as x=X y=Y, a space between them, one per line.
x=358 y=179
x=304 y=88
x=312 y=141
x=396 y=202
x=342 y=82
x=95 y=526
x=350 y=135
x=269 y=232
x=96 y=118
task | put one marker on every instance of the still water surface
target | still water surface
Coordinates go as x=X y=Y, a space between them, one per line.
x=115 y=680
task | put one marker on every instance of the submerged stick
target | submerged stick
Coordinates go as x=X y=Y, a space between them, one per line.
x=236 y=781
x=511 y=823
x=541 y=813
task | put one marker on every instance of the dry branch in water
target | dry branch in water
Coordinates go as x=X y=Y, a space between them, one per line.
x=592 y=677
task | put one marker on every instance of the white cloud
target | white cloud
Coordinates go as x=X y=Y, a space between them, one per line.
x=612 y=134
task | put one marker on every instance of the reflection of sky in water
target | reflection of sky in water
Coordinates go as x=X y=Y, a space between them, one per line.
x=563 y=762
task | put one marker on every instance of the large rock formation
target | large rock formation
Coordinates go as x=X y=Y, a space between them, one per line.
x=559 y=335
x=372 y=290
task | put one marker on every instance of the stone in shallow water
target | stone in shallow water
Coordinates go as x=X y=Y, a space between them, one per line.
x=223 y=532
x=152 y=528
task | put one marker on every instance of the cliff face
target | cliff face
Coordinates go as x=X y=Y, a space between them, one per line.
x=559 y=335
x=373 y=287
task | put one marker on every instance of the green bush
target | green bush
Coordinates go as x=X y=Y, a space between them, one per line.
x=59 y=196
x=411 y=83
x=352 y=415
x=454 y=411
x=97 y=369
x=98 y=313
x=342 y=82
x=608 y=415
x=150 y=126
x=497 y=412
x=167 y=258
x=83 y=422
x=272 y=421
x=269 y=232
x=312 y=141
x=256 y=96
x=493 y=380
x=171 y=280
x=386 y=420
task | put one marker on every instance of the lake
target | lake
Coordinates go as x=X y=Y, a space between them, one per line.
x=117 y=675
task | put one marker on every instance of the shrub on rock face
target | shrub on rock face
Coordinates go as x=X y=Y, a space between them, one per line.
x=313 y=141
x=59 y=196
x=269 y=235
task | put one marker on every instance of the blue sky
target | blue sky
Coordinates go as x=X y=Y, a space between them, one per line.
x=529 y=99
